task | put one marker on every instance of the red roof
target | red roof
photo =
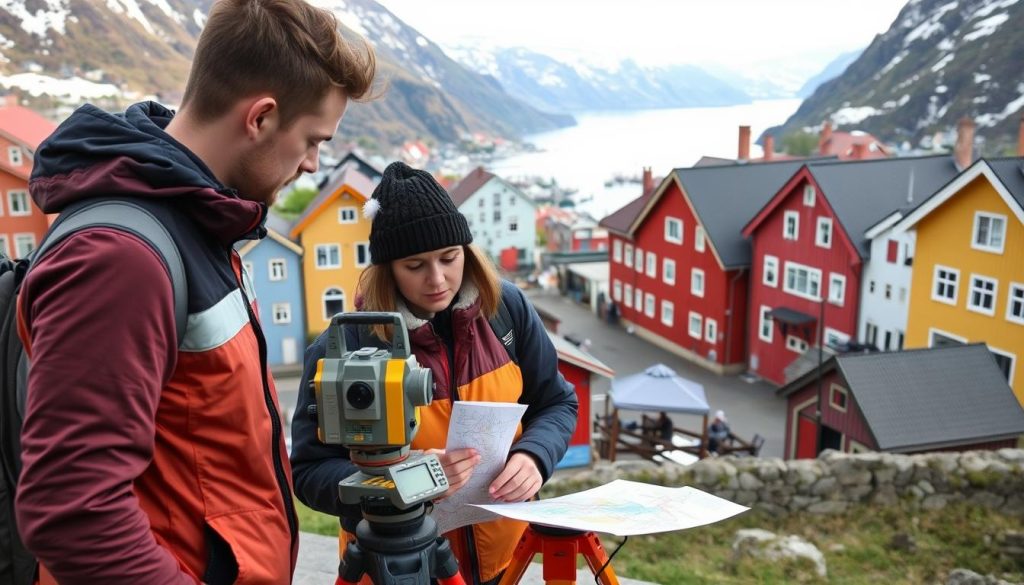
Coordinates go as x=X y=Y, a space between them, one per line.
x=25 y=125
x=469 y=184
x=842 y=144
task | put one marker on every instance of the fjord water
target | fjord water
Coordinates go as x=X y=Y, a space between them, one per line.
x=605 y=144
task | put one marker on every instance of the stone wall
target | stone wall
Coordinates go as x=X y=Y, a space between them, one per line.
x=834 y=481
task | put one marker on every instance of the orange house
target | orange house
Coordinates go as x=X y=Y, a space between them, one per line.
x=22 y=224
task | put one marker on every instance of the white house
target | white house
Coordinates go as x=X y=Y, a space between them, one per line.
x=501 y=217
x=885 y=294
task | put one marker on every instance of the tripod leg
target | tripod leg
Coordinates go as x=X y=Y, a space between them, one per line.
x=352 y=565
x=520 y=559
x=593 y=551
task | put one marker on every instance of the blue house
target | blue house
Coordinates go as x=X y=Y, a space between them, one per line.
x=274 y=265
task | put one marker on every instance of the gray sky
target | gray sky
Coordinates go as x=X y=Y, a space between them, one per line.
x=734 y=33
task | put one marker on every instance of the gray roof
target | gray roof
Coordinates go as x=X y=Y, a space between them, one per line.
x=725 y=197
x=350 y=173
x=279 y=224
x=930 y=398
x=863 y=192
x=1011 y=173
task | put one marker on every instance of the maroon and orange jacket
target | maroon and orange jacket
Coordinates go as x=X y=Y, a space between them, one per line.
x=143 y=461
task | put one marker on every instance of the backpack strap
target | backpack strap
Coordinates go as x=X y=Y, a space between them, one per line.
x=503 y=328
x=127 y=216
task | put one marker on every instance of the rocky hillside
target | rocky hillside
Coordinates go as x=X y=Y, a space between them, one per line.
x=939 y=61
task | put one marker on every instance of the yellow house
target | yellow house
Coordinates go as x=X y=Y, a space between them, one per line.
x=336 y=240
x=968 y=267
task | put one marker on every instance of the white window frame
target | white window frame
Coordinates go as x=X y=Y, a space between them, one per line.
x=954 y=284
x=323 y=300
x=988 y=246
x=796 y=344
x=697 y=278
x=791 y=218
x=668 y=312
x=836 y=282
x=617 y=290
x=24 y=237
x=652 y=265
x=826 y=223
x=327 y=248
x=22 y=195
x=627 y=257
x=627 y=295
x=275 y=275
x=1014 y=289
x=810 y=194
x=993 y=294
x=932 y=332
x=649 y=305
x=770 y=262
x=617 y=251
x=513 y=225
x=834 y=334
x=710 y=330
x=673 y=239
x=696 y=332
x=638 y=300
x=763 y=320
x=811 y=272
x=5 y=247
x=348 y=209
x=14 y=155
x=281 y=313
x=355 y=254
x=668 y=271
x=837 y=389
x=1013 y=361
x=638 y=260
x=698 y=238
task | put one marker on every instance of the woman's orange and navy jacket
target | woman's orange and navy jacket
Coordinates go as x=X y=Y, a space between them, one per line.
x=477 y=368
x=144 y=462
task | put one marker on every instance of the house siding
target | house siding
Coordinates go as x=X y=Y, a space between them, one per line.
x=888 y=316
x=849 y=423
x=493 y=235
x=35 y=223
x=270 y=292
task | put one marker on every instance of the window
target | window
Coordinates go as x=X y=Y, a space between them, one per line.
x=497 y=215
x=639 y=260
x=628 y=257
x=638 y=298
x=771 y=271
x=14 y=155
x=696 y=327
x=497 y=198
x=902 y=294
x=697 y=282
x=277 y=269
x=836 y=289
x=802 y=281
x=791 y=225
x=838 y=397
x=362 y=254
x=668 y=271
x=482 y=202
x=617 y=251
x=1014 y=303
x=765 y=329
x=483 y=216
x=673 y=230
x=888 y=292
x=892 y=254
x=628 y=295
x=328 y=256
x=667 y=313
x=871 y=333
x=512 y=199
x=794 y=343
x=982 y=298
x=617 y=290
x=334 y=302
x=871 y=287
x=1005 y=361
x=899 y=340
x=989 y=232
x=652 y=265
x=347 y=215
x=698 y=238
x=888 y=341
x=282 y=313
x=834 y=338
x=809 y=194
x=513 y=225
x=4 y=246
x=17 y=202
x=249 y=269
x=710 y=330
x=649 y=305
x=939 y=338
x=24 y=244
x=823 y=237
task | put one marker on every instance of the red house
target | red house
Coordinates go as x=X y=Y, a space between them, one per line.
x=22 y=224
x=951 y=398
x=809 y=249
x=579 y=368
x=679 y=266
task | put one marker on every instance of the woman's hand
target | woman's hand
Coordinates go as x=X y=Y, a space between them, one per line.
x=458 y=465
x=518 y=482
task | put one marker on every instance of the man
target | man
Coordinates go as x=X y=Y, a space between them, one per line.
x=143 y=462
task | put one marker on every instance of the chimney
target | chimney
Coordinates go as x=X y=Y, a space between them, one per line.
x=963 y=150
x=826 y=135
x=744 y=150
x=648 y=181
x=769 y=146
x=859 y=151
x=1020 y=137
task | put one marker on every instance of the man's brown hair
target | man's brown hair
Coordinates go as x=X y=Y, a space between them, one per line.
x=285 y=48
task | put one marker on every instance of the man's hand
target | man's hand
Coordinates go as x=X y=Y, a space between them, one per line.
x=518 y=482
x=458 y=465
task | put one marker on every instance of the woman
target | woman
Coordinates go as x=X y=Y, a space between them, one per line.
x=425 y=267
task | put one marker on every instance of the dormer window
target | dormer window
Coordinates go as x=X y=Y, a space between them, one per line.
x=14 y=156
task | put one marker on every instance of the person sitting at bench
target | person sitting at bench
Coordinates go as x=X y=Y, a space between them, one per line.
x=665 y=427
x=718 y=432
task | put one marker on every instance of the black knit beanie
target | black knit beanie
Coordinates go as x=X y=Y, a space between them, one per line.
x=412 y=214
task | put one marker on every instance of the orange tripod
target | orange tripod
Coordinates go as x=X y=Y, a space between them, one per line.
x=558 y=548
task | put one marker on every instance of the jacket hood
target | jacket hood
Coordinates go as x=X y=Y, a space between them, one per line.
x=97 y=154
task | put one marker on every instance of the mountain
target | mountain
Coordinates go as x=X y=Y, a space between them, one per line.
x=831 y=71
x=555 y=86
x=145 y=47
x=939 y=61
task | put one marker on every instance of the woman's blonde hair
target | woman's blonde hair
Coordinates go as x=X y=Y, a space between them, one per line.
x=378 y=291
